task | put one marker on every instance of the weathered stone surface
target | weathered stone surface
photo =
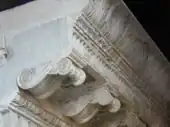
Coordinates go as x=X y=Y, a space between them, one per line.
x=121 y=44
x=114 y=51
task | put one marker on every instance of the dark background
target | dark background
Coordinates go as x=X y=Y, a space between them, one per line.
x=152 y=14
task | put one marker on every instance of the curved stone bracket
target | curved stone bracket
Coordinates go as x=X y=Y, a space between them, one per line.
x=42 y=81
x=80 y=110
x=29 y=78
x=66 y=68
x=103 y=97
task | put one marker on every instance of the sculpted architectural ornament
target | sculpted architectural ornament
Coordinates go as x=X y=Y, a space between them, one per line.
x=35 y=113
x=22 y=37
x=90 y=74
x=84 y=103
x=66 y=68
x=81 y=110
x=44 y=80
x=84 y=109
x=103 y=97
x=81 y=103
x=119 y=60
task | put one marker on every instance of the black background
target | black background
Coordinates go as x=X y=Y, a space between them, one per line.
x=152 y=14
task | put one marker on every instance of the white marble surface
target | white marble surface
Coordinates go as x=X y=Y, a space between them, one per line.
x=30 y=48
x=35 y=33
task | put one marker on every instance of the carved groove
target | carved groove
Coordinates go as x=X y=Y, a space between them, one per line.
x=92 y=39
x=36 y=111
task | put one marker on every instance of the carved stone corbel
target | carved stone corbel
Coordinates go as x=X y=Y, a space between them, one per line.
x=81 y=110
x=38 y=81
x=66 y=68
x=103 y=97
x=44 y=80
x=83 y=105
